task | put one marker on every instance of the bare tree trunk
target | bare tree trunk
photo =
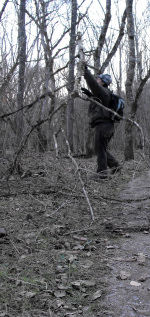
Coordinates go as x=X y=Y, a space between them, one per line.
x=22 y=60
x=132 y=101
x=49 y=73
x=129 y=149
x=70 y=108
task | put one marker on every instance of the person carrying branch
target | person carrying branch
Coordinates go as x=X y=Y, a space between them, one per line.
x=100 y=120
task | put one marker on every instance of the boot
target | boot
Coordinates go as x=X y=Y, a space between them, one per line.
x=98 y=176
x=116 y=169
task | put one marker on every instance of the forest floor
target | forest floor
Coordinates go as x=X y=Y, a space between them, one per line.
x=55 y=261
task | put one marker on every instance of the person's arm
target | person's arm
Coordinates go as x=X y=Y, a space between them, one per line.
x=86 y=92
x=98 y=91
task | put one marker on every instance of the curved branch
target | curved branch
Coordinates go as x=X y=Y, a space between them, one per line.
x=139 y=91
x=102 y=36
x=115 y=47
x=3 y=8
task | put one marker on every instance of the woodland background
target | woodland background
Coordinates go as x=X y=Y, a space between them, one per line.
x=42 y=47
x=57 y=260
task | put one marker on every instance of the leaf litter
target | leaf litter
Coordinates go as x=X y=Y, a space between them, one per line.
x=62 y=264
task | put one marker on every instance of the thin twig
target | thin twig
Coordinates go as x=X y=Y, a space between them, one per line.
x=66 y=202
x=14 y=246
x=24 y=282
x=79 y=230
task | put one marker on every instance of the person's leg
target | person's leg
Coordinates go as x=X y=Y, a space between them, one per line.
x=101 y=142
x=111 y=161
x=103 y=134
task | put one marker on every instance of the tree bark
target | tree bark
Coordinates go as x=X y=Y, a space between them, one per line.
x=129 y=149
x=46 y=40
x=71 y=80
x=102 y=36
x=116 y=45
x=22 y=60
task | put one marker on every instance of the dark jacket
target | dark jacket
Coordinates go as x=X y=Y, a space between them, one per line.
x=98 y=114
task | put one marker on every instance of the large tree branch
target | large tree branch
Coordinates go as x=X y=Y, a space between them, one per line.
x=102 y=36
x=131 y=66
x=3 y=8
x=139 y=91
x=117 y=43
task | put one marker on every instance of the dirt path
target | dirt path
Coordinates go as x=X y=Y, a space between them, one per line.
x=128 y=289
x=55 y=261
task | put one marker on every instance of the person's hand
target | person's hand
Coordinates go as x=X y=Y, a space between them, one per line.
x=85 y=65
x=86 y=92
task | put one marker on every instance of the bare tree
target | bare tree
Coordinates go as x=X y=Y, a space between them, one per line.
x=46 y=19
x=129 y=153
x=132 y=102
x=116 y=44
x=102 y=36
x=22 y=60
x=101 y=41
x=72 y=45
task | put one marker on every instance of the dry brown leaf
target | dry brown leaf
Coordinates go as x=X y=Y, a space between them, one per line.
x=79 y=238
x=27 y=294
x=61 y=287
x=110 y=247
x=124 y=275
x=76 y=284
x=72 y=258
x=97 y=295
x=59 y=303
x=141 y=258
x=60 y=294
x=87 y=264
x=78 y=247
x=134 y=283
x=87 y=283
x=30 y=294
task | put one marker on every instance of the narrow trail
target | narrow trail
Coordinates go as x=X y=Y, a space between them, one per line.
x=128 y=290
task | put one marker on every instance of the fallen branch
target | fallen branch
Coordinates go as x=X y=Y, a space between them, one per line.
x=48 y=191
x=79 y=175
